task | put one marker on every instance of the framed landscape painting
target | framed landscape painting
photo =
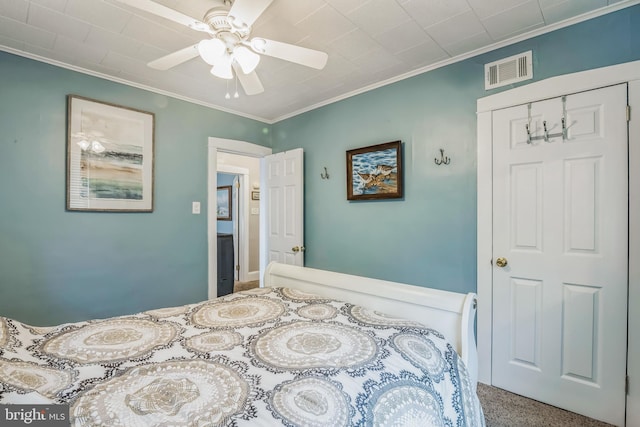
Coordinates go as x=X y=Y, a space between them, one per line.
x=109 y=157
x=375 y=172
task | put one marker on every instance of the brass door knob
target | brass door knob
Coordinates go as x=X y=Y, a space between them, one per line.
x=501 y=262
x=298 y=249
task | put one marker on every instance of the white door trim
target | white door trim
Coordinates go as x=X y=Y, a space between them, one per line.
x=550 y=88
x=633 y=345
x=242 y=220
x=214 y=146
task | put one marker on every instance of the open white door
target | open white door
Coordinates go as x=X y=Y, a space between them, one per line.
x=282 y=201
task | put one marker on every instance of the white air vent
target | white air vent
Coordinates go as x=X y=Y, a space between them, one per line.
x=508 y=70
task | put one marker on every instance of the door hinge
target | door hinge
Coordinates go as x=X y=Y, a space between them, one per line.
x=626 y=385
x=628 y=113
x=237 y=267
x=237 y=184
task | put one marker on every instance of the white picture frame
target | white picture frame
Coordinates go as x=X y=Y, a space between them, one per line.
x=110 y=161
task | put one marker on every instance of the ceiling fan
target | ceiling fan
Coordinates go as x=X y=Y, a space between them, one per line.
x=229 y=49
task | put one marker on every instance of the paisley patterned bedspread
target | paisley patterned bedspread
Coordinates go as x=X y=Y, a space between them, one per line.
x=256 y=358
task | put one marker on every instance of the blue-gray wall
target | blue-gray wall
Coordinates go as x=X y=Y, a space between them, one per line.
x=58 y=266
x=429 y=238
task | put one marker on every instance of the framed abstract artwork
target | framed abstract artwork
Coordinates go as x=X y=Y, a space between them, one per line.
x=109 y=157
x=375 y=172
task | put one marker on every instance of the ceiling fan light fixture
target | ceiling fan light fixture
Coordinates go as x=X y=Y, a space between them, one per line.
x=222 y=68
x=228 y=48
x=248 y=60
x=211 y=50
x=258 y=44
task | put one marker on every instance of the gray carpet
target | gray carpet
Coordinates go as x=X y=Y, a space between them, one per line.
x=504 y=409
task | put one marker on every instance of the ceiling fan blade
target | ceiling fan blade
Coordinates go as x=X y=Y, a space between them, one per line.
x=247 y=11
x=167 y=13
x=175 y=58
x=250 y=82
x=289 y=52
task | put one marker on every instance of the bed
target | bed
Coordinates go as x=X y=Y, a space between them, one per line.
x=309 y=348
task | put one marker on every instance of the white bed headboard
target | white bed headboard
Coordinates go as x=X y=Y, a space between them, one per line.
x=451 y=313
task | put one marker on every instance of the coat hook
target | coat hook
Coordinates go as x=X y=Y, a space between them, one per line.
x=443 y=159
x=324 y=175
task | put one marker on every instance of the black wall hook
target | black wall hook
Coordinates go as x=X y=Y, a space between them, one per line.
x=324 y=175
x=443 y=159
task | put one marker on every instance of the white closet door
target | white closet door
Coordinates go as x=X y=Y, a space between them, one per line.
x=561 y=225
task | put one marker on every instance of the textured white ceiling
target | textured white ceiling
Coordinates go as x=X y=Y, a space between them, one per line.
x=369 y=42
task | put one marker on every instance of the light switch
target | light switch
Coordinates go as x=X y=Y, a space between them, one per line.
x=255 y=211
x=195 y=208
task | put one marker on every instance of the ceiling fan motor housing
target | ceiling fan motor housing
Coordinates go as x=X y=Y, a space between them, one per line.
x=218 y=19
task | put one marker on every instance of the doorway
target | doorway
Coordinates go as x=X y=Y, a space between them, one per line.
x=219 y=148
x=238 y=225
